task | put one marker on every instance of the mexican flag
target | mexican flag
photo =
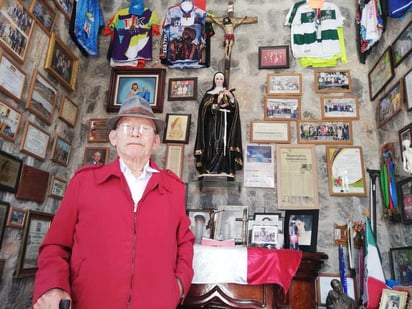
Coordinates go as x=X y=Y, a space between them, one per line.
x=374 y=278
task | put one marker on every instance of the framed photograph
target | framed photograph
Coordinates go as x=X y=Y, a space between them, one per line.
x=404 y=133
x=33 y=184
x=147 y=83
x=98 y=132
x=282 y=108
x=4 y=210
x=61 y=151
x=284 y=84
x=174 y=158
x=393 y=299
x=324 y=132
x=259 y=166
x=177 y=128
x=35 y=141
x=182 y=89
x=10 y=170
x=68 y=111
x=65 y=6
x=400 y=260
x=340 y=107
x=264 y=235
x=199 y=223
x=11 y=12
x=9 y=121
x=305 y=222
x=35 y=229
x=346 y=171
x=297 y=179
x=57 y=187
x=381 y=74
x=407 y=83
x=44 y=15
x=12 y=78
x=227 y=227
x=96 y=155
x=42 y=98
x=62 y=63
x=390 y=104
x=402 y=46
x=16 y=217
x=267 y=218
x=274 y=57
x=327 y=81
x=405 y=200
x=267 y=132
x=323 y=283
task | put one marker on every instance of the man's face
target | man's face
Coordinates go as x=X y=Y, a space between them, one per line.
x=134 y=145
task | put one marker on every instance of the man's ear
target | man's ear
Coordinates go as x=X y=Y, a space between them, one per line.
x=113 y=137
x=157 y=142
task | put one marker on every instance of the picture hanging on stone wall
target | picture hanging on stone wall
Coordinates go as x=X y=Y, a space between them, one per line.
x=407 y=82
x=33 y=184
x=274 y=57
x=35 y=141
x=405 y=134
x=177 y=128
x=405 y=200
x=282 y=108
x=96 y=155
x=65 y=6
x=57 y=187
x=340 y=107
x=401 y=260
x=174 y=158
x=381 y=74
x=10 y=169
x=182 y=89
x=9 y=121
x=4 y=210
x=62 y=63
x=324 y=132
x=284 y=84
x=402 y=46
x=146 y=83
x=11 y=15
x=328 y=81
x=68 y=111
x=16 y=217
x=44 y=15
x=61 y=151
x=266 y=132
x=12 y=79
x=390 y=104
x=98 y=132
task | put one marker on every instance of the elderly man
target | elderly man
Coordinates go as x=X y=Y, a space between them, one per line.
x=121 y=237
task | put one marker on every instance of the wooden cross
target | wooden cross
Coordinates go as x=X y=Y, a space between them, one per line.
x=228 y=23
x=244 y=221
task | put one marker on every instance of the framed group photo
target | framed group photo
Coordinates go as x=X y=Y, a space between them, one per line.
x=12 y=79
x=324 y=132
x=340 y=107
x=265 y=235
x=182 y=89
x=44 y=15
x=284 y=84
x=10 y=119
x=405 y=199
x=146 y=83
x=381 y=73
x=199 y=223
x=282 y=108
x=274 y=57
x=390 y=104
x=402 y=46
x=305 y=222
x=96 y=155
x=177 y=128
x=327 y=81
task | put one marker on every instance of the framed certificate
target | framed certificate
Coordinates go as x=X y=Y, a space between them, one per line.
x=35 y=141
x=12 y=79
x=266 y=132
x=68 y=111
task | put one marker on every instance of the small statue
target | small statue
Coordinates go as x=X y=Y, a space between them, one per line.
x=407 y=156
x=337 y=299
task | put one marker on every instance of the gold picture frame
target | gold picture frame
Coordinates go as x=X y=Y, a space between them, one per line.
x=177 y=128
x=393 y=299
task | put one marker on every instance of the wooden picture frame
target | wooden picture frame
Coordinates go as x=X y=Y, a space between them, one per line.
x=57 y=187
x=35 y=141
x=393 y=299
x=177 y=128
x=44 y=15
x=33 y=184
x=98 y=131
x=68 y=111
x=90 y=159
x=400 y=258
x=402 y=46
x=273 y=57
x=390 y=104
x=12 y=79
x=308 y=236
x=35 y=229
x=407 y=85
x=282 y=108
x=284 y=84
x=324 y=132
x=42 y=98
x=4 y=210
x=10 y=119
x=16 y=217
x=182 y=89
x=65 y=6
x=264 y=235
x=323 y=286
x=174 y=158
x=329 y=81
x=404 y=187
x=61 y=151
x=346 y=171
x=404 y=133
x=340 y=107
x=62 y=63
x=267 y=132
x=10 y=168
x=381 y=73
x=10 y=13
x=297 y=192
x=122 y=80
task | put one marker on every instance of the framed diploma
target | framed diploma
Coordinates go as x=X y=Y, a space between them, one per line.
x=259 y=166
x=35 y=229
x=68 y=111
x=297 y=177
x=9 y=121
x=12 y=79
x=266 y=132
x=33 y=184
x=35 y=141
x=346 y=171
x=174 y=158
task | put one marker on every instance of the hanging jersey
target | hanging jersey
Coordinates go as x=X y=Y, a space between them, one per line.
x=398 y=8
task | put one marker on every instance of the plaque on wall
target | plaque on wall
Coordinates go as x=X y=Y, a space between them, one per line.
x=33 y=184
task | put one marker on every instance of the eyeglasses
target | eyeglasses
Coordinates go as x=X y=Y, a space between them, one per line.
x=141 y=129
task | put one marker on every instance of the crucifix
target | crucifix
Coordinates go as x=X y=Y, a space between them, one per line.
x=244 y=221
x=228 y=23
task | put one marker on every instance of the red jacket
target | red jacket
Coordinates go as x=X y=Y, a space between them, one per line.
x=105 y=255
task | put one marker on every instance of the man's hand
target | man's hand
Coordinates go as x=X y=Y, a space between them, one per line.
x=51 y=299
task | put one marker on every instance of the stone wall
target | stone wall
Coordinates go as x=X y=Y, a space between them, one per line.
x=250 y=83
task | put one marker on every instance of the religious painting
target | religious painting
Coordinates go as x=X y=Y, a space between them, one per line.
x=381 y=74
x=177 y=128
x=274 y=57
x=324 y=132
x=391 y=299
x=149 y=84
x=327 y=81
x=182 y=89
x=9 y=121
x=402 y=46
x=284 y=84
x=390 y=104
x=405 y=200
x=401 y=265
x=305 y=224
x=10 y=169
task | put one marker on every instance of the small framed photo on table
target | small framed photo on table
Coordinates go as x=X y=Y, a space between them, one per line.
x=274 y=57
x=405 y=200
x=182 y=89
x=305 y=222
x=400 y=259
x=393 y=299
x=265 y=235
x=177 y=128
